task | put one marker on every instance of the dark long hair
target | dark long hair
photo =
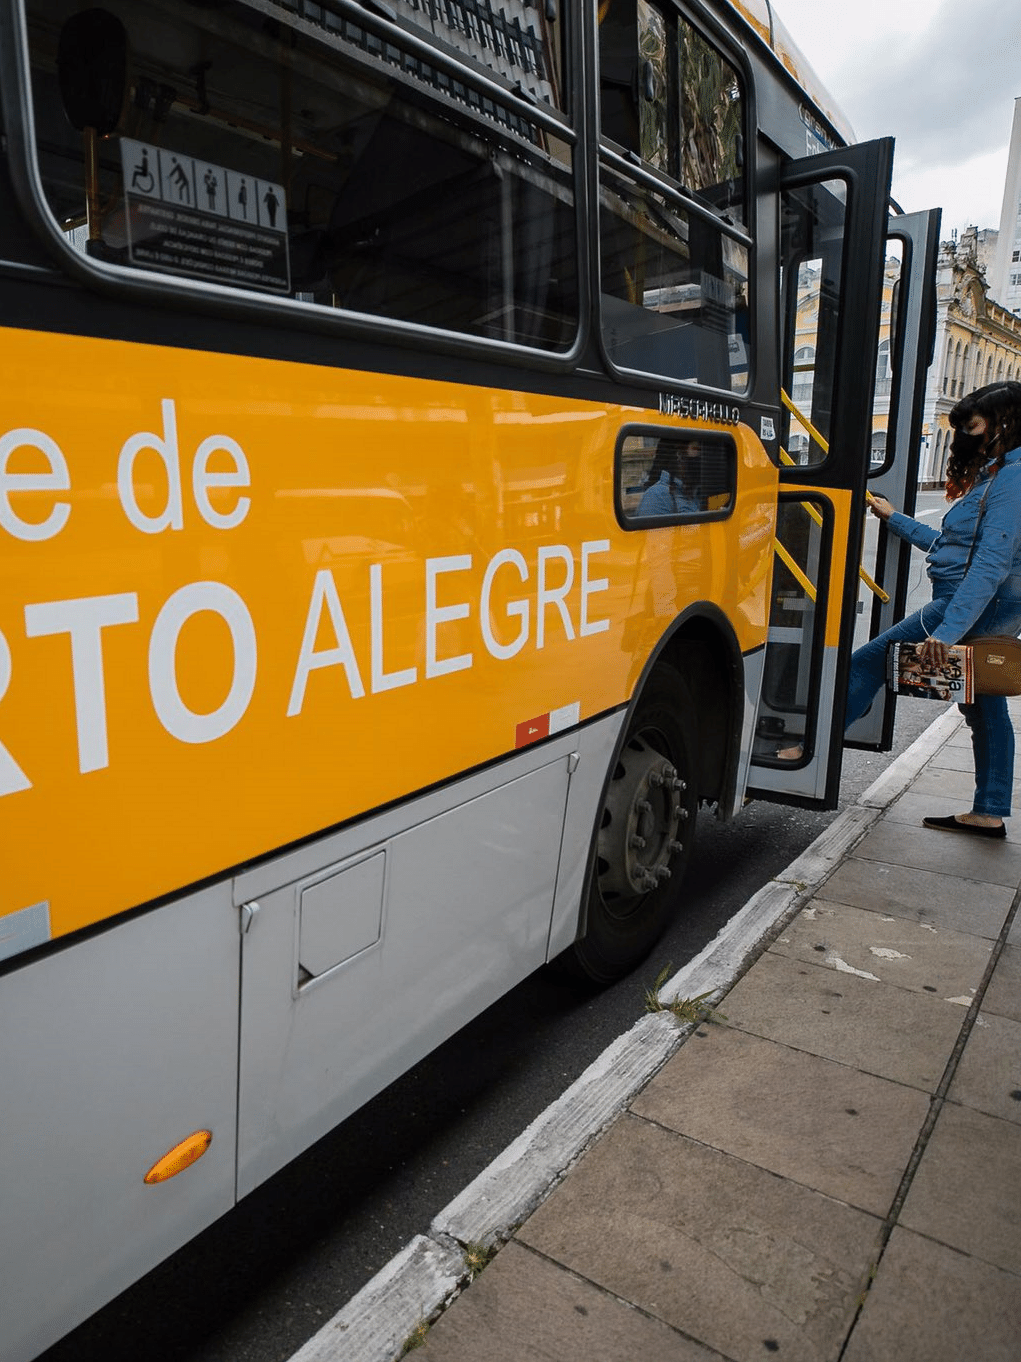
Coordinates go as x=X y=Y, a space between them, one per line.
x=1000 y=404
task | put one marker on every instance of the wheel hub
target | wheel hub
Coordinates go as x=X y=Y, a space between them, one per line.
x=642 y=819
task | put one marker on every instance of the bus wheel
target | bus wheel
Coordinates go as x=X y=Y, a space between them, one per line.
x=645 y=834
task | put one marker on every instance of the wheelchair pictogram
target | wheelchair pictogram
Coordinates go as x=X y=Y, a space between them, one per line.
x=142 y=177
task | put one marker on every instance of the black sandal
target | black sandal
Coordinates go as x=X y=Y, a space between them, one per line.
x=953 y=824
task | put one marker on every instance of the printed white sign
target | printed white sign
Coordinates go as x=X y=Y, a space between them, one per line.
x=187 y=216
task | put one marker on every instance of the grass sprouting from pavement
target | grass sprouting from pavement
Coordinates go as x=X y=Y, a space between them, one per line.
x=688 y=1010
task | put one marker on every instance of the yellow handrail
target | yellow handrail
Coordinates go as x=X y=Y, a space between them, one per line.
x=820 y=440
x=823 y=444
x=809 y=589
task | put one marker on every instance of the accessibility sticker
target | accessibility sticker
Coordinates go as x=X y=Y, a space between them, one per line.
x=187 y=216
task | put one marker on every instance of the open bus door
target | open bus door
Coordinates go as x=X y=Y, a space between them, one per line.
x=901 y=373
x=848 y=293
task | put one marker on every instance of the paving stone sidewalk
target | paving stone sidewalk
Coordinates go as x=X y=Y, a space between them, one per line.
x=828 y=1172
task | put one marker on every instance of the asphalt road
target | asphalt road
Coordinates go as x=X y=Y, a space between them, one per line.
x=262 y=1280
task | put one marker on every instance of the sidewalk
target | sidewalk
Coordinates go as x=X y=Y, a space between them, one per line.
x=830 y=1170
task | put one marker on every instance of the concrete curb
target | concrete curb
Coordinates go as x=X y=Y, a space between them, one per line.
x=430 y=1271
x=516 y=1181
x=377 y=1322
x=883 y=791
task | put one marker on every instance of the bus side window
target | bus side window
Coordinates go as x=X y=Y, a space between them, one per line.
x=668 y=95
x=618 y=74
x=307 y=159
x=674 y=279
x=668 y=476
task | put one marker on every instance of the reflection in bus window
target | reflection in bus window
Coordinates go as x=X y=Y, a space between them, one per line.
x=654 y=42
x=670 y=96
x=674 y=290
x=674 y=279
x=668 y=475
x=526 y=47
x=307 y=158
x=799 y=444
x=712 y=143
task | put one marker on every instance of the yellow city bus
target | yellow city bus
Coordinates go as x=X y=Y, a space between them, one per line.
x=404 y=538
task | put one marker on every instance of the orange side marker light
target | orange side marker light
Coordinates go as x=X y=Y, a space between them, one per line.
x=179 y=1158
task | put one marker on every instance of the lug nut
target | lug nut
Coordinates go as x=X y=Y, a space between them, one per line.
x=637 y=842
x=679 y=785
x=644 y=806
x=675 y=847
x=662 y=872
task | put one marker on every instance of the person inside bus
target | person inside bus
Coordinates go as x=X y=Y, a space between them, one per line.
x=671 y=487
x=975 y=573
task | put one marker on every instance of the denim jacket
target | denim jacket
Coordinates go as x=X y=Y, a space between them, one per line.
x=983 y=595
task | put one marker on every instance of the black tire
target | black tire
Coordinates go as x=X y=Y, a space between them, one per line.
x=644 y=840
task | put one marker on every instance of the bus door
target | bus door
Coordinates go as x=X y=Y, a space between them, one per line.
x=833 y=242
x=907 y=335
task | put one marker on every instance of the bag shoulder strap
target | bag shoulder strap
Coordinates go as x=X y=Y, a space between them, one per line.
x=978 y=518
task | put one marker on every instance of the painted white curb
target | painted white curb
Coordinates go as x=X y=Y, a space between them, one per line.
x=518 y=1179
x=375 y=1324
x=888 y=786
x=428 y=1272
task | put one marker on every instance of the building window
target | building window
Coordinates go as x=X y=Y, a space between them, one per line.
x=804 y=375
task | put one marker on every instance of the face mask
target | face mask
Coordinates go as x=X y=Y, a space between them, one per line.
x=966 y=446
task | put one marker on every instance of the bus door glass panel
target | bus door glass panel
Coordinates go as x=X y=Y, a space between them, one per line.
x=313 y=160
x=675 y=254
x=813 y=256
x=884 y=430
x=900 y=442
x=791 y=678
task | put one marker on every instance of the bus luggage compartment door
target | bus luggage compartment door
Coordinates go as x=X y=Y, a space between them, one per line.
x=397 y=933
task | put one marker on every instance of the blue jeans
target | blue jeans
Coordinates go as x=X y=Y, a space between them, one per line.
x=992 y=733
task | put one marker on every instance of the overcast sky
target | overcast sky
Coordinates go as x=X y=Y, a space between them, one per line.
x=940 y=76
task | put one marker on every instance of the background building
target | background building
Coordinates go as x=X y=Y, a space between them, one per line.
x=978 y=341
x=1005 y=276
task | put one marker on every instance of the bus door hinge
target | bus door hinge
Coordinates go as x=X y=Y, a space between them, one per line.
x=248 y=912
